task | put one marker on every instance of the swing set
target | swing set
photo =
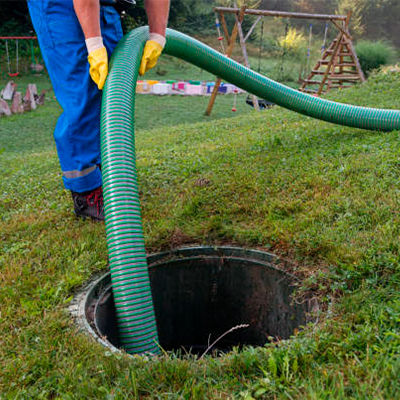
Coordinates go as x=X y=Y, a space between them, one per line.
x=338 y=66
x=12 y=73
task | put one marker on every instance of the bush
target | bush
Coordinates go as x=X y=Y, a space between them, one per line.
x=292 y=41
x=372 y=55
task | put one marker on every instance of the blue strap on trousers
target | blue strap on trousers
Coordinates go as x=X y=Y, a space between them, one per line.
x=77 y=133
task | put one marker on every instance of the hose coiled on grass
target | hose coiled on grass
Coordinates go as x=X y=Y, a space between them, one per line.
x=127 y=256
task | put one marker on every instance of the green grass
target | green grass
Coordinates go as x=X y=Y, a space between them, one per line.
x=324 y=196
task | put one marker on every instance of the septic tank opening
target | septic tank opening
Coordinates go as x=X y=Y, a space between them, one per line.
x=200 y=293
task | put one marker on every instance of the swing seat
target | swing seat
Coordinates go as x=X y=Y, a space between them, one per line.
x=13 y=75
x=262 y=104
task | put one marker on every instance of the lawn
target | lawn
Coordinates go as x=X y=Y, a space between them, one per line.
x=322 y=196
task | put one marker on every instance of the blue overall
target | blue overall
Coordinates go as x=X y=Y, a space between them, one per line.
x=77 y=133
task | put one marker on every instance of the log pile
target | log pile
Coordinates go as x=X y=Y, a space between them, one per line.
x=13 y=102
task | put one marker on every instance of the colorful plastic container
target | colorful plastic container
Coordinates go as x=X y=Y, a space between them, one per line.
x=160 y=89
x=178 y=87
x=223 y=89
x=139 y=87
x=193 y=89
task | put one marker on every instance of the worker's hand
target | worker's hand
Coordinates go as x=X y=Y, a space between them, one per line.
x=98 y=60
x=151 y=53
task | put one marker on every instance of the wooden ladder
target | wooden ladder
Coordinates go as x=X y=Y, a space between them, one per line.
x=338 y=68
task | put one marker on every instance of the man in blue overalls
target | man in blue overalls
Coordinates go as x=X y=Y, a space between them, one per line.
x=76 y=38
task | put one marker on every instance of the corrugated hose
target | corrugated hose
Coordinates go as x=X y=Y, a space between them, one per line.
x=127 y=256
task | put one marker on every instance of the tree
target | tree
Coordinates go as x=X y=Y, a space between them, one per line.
x=357 y=9
x=14 y=17
x=239 y=3
x=316 y=6
x=374 y=19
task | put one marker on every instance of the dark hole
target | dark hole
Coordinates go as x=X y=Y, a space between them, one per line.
x=198 y=297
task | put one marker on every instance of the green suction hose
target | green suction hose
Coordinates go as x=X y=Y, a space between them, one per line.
x=127 y=256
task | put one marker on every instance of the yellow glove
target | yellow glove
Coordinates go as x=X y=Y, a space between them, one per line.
x=151 y=53
x=98 y=60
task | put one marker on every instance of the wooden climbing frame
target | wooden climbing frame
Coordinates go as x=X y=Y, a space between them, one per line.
x=338 y=67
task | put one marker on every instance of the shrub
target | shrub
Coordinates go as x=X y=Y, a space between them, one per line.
x=292 y=41
x=372 y=55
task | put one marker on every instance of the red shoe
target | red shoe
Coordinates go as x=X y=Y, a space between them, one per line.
x=89 y=204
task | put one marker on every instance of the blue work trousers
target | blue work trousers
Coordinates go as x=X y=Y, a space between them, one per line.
x=62 y=42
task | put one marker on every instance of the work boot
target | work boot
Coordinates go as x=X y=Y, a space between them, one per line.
x=89 y=204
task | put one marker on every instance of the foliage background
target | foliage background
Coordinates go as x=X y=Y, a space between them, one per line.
x=371 y=19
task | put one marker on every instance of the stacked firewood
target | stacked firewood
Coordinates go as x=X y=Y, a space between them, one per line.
x=12 y=101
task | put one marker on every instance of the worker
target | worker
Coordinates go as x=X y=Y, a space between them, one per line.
x=76 y=38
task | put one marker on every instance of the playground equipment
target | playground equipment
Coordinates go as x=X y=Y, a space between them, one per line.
x=310 y=35
x=127 y=255
x=12 y=74
x=31 y=39
x=338 y=66
x=220 y=37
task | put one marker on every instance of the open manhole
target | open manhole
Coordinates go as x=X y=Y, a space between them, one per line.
x=201 y=293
